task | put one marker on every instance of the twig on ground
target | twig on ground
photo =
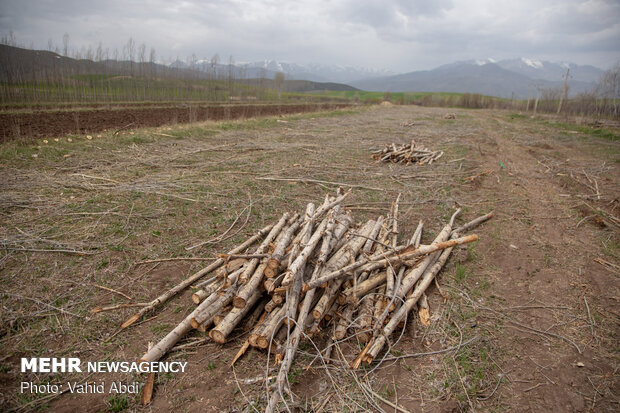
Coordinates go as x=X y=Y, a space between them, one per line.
x=446 y=350
x=592 y=323
x=223 y=237
x=76 y=252
x=174 y=259
x=124 y=127
x=317 y=181
x=499 y=380
x=112 y=291
x=34 y=300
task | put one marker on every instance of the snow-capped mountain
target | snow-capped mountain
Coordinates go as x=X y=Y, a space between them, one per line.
x=318 y=72
x=268 y=68
x=506 y=78
x=540 y=69
x=536 y=69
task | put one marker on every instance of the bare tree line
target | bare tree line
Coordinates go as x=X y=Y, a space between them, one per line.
x=602 y=101
x=129 y=74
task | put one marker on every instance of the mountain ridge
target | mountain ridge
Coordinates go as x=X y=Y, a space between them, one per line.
x=495 y=78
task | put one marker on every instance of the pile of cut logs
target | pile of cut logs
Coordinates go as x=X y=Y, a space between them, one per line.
x=407 y=153
x=314 y=273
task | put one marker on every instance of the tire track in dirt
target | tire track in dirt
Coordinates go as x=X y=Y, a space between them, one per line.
x=545 y=261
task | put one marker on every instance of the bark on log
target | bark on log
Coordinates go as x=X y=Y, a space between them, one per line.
x=246 y=291
x=417 y=235
x=262 y=248
x=200 y=295
x=338 y=260
x=220 y=316
x=165 y=344
x=234 y=317
x=273 y=322
x=230 y=267
x=353 y=294
x=472 y=224
x=271 y=305
x=208 y=313
x=344 y=322
x=278 y=254
x=305 y=247
x=365 y=314
x=393 y=237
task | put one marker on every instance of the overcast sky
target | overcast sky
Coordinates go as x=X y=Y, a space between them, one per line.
x=397 y=35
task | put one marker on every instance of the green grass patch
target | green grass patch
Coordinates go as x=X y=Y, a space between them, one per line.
x=118 y=403
x=587 y=130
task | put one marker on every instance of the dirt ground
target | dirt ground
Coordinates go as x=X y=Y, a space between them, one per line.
x=48 y=123
x=530 y=311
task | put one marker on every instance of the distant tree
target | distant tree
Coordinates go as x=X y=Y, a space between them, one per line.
x=263 y=78
x=142 y=56
x=90 y=55
x=278 y=81
x=65 y=44
x=152 y=56
x=10 y=39
x=231 y=76
x=549 y=98
x=609 y=88
x=99 y=53
x=213 y=75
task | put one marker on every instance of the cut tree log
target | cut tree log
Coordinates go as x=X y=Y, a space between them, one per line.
x=262 y=248
x=200 y=295
x=201 y=317
x=344 y=322
x=221 y=315
x=278 y=254
x=390 y=273
x=346 y=254
x=246 y=291
x=353 y=294
x=304 y=248
x=364 y=329
x=274 y=321
x=165 y=344
x=234 y=317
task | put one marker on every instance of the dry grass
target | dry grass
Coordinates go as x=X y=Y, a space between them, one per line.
x=77 y=216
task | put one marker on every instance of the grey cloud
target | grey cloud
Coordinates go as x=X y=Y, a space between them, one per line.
x=397 y=34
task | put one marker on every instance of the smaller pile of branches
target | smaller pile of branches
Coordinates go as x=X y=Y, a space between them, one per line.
x=407 y=154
